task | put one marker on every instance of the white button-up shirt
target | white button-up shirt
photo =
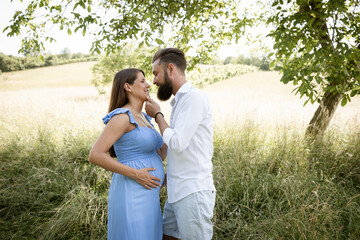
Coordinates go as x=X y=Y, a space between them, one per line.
x=190 y=144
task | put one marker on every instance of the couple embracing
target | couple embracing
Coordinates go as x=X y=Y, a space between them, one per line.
x=134 y=211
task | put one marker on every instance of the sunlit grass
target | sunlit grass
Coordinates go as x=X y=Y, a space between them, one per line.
x=273 y=185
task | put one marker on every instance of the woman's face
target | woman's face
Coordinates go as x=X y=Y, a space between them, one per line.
x=140 y=87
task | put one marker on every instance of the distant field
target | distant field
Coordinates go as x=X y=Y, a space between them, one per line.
x=261 y=97
x=69 y=75
x=64 y=92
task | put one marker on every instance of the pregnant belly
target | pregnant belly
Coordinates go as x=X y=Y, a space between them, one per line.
x=153 y=162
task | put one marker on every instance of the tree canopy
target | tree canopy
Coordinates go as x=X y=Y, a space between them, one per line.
x=317 y=45
x=205 y=24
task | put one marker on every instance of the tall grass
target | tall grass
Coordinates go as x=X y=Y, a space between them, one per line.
x=47 y=185
x=274 y=185
x=270 y=183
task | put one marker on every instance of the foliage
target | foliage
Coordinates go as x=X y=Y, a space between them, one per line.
x=263 y=63
x=11 y=63
x=114 y=23
x=132 y=57
x=127 y=57
x=204 y=75
x=318 y=45
x=66 y=54
x=213 y=60
x=270 y=184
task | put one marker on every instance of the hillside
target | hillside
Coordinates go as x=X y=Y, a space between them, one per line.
x=69 y=75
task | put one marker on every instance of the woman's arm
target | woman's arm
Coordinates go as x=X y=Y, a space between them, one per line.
x=162 y=151
x=115 y=128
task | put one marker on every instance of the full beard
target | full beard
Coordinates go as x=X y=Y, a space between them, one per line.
x=165 y=90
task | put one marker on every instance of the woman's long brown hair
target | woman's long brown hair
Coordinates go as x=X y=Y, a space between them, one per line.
x=118 y=96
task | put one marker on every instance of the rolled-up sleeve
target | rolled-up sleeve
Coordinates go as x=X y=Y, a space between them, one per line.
x=191 y=112
x=167 y=134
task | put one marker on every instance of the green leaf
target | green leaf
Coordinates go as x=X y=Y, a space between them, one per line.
x=76 y=4
x=329 y=88
x=69 y=31
x=272 y=64
x=302 y=88
x=353 y=93
x=343 y=101
x=84 y=31
x=306 y=102
x=278 y=68
x=159 y=41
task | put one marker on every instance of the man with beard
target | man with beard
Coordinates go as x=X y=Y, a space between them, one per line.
x=191 y=193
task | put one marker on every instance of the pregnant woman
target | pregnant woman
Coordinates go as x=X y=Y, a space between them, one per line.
x=133 y=204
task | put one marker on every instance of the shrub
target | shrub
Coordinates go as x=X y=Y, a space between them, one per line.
x=10 y=63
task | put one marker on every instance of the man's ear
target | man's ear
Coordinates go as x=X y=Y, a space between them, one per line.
x=171 y=68
x=127 y=87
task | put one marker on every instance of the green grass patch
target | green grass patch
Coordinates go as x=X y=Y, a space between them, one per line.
x=270 y=183
x=274 y=185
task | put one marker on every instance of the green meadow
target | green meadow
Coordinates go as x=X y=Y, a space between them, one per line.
x=271 y=183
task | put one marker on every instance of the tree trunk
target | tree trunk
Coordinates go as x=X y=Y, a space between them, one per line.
x=323 y=115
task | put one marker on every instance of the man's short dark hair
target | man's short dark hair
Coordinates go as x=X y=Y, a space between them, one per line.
x=171 y=55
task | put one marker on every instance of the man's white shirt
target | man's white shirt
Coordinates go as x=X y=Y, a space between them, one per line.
x=190 y=144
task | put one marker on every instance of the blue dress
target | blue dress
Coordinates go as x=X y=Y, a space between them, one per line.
x=133 y=211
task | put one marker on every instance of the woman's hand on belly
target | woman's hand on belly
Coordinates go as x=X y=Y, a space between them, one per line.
x=147 y=180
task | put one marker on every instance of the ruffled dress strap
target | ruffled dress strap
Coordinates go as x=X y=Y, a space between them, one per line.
x=116 y=111
x=149 y=119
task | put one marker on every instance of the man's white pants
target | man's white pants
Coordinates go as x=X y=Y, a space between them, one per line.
x=190 y=217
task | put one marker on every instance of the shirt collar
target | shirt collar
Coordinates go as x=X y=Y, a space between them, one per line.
x=183 y=89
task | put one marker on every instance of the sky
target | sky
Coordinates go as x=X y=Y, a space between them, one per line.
x=75 y=42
